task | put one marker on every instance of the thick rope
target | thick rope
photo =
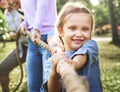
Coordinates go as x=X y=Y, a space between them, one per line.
x=39 y=42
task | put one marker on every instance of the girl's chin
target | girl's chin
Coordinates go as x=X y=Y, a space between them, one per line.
x=76 y=47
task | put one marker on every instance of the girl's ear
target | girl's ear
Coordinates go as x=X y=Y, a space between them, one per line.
x=60 y=32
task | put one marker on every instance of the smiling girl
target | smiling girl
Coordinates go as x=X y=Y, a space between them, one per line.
x=74 y=26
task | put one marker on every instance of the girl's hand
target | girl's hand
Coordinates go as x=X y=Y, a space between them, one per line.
x=55 y=45
x=56 y=58
x=64 y=64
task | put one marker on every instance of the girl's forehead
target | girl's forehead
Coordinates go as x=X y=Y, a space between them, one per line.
x=78 y=19
x=76 y=15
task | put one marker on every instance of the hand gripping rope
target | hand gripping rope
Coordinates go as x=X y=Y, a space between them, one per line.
x=39 y=42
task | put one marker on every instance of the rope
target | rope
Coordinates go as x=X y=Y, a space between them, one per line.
x=19 y=63
x=39 y=42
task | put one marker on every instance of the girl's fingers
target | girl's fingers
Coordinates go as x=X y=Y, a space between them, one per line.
x=63 y=65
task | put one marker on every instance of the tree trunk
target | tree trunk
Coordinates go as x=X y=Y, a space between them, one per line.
x=115 y=36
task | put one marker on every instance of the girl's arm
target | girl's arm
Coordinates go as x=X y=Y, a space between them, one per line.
x=79 y=61
x=54 y=84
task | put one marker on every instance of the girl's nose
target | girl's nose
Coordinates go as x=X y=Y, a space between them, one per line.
x=79 y=33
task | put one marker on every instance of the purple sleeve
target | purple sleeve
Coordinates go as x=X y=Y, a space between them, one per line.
x=40 y=13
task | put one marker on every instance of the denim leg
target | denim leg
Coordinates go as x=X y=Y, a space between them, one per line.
x=44 y=59
x=46 y=70
x=45 y=53
x=33 y=68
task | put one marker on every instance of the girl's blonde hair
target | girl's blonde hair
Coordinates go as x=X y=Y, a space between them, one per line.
x=72 y=7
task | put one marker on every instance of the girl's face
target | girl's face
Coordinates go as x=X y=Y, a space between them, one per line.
x=76 y=30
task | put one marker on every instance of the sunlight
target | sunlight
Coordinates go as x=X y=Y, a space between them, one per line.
x=94 y=2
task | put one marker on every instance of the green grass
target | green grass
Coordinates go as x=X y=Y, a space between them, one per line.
x=6 y=50
x=109 y=64
x=15 y=75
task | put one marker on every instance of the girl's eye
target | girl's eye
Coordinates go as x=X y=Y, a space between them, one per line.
x=72 y=28
x=85 y=29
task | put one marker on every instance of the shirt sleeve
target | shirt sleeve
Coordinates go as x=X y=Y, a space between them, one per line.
x=88 y=47
x=42 y=6
x=91 y=70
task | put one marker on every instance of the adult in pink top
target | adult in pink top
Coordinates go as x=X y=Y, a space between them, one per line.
x=40 y=17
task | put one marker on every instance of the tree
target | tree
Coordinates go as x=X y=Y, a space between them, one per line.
x=115 y=36
x=60 y=3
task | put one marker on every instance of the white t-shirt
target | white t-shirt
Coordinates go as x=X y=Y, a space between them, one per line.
x=13 y=20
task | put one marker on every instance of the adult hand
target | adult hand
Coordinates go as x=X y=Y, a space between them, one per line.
x=23 y=30
x=36 y=35
x=13 y=35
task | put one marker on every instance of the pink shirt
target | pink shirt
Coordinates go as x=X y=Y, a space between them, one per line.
x=39 y=14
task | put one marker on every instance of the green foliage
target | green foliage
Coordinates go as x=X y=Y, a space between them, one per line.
x=101 y=15
x=110 y=66
x=3 y=28
x=2 y=19
x=60 y=3
x=117 y=10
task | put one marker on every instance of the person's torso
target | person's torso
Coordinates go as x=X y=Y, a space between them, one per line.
x=33 y=13
x=13 y=20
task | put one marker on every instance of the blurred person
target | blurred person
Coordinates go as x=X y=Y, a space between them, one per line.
x=11 y=60
x=40 y=17
x=3 y=4
x=12 y=18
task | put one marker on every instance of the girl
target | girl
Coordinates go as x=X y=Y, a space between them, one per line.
x=75 y=25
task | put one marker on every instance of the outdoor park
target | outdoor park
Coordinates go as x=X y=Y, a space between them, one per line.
x=106 y=34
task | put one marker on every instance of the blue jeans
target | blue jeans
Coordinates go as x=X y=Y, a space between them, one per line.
x=36 y=56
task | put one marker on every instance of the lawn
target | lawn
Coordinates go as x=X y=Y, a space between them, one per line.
x=109 y=64
x=15 y=75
